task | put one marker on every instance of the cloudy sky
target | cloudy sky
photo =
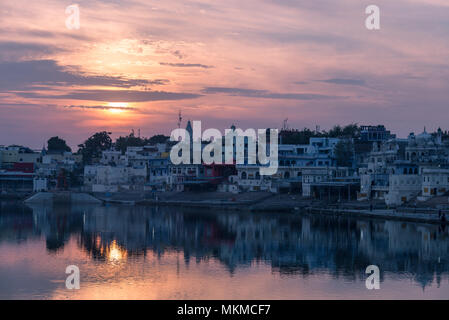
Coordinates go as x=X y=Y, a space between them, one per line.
x=135 y=63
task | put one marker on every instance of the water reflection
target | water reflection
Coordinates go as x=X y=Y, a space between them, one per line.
x=293 y=245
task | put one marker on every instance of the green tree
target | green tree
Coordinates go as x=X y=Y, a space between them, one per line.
x=122 y=143
x=350 y=131
x=344 y=153
x=158 y=138
x=298 y=136
x=93 y=147
x=56 y=144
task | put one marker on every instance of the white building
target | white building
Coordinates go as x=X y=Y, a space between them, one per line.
x=435 y=182
x=249 y=179
x=114 y=178
x=139 y=156
x=181 y=174
x=402 y=188
x=113 y=157
x=40 y=184
x=159 y=174
x=316 y=175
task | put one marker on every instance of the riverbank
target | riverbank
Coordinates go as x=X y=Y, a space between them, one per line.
x=14 y=196
x=222 y=200
x=269 y=202
x=282 y=203
x=389 y=214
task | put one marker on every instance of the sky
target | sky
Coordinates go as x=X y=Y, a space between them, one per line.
x=134 y=64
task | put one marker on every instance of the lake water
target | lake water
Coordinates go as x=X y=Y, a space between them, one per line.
x=179 y=253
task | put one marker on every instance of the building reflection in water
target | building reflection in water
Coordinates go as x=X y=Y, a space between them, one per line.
x=293 y=244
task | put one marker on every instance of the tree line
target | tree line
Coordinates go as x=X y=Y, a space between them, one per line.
x=101 y=141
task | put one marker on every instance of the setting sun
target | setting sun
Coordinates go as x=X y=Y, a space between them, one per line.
x=117 y=107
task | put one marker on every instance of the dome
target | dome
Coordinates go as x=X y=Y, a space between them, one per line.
x=424 y=135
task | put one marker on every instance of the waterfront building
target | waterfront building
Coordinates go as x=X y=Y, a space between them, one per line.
x=19 y=178
x=55 y=166
x=435 y=182
x=249 y=179
x=292 y=160
x=375 y=133
x=332 y=183
x=100 y=178
x=139 y=156
x=427 y=149
x=395 y=184
x=404 y=184
x=395 y=169
x=159 y=175
x=381 y=162
x=113 y=157
x=17 y=154
x=184 y=174
x=40 y=184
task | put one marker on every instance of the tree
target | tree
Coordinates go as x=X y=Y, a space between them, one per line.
x=335 y=132
x=303 y=136
x=93 y=147
x=56 y=144
x=159 y=138
x=122 y=143
x=344 y=153
x=298 y=136
x=350 y=131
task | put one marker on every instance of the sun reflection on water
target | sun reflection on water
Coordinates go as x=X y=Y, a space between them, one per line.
x=115 y=253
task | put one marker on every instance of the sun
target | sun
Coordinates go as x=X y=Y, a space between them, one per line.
x=117 y=107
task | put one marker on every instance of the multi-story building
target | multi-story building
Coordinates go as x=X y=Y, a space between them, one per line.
x=375 y=133
x=292 y=160
x=18 y=154
x=100 y=178
x=329 y=182
x=395 y=169
x=404 y=183
x=426 y=149
x=435 y=182
x=159 y=175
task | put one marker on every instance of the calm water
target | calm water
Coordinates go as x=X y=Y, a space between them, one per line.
x=168 y=253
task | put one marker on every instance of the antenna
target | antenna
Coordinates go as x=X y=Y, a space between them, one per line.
x=179 y=119
x=285 y=124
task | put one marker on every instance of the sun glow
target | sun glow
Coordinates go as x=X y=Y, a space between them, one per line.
x=115 y=253
x=117 y=107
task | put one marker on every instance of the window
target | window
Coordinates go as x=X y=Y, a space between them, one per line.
x=243 y=175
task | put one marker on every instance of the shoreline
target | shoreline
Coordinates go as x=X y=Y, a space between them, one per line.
x=258 y=202
x=389 y=214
